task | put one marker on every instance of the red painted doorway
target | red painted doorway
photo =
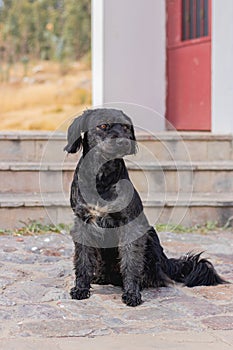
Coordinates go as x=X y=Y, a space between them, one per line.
x=189 y=64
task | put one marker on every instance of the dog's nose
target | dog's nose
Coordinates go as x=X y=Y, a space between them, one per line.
x=121 y=142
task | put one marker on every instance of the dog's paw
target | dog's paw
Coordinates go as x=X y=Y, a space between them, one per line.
x=131 y=299
x=79 y=294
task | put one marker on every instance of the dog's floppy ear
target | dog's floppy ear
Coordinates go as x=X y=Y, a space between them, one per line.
x=134 y=148
x=74 y=136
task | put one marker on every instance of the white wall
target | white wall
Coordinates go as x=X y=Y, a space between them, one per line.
x=97 y=34
x=132 y=68
x=222 y=66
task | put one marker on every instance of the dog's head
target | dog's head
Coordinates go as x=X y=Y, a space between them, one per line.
x=109 y=131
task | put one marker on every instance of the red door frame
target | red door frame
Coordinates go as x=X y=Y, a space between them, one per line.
x=188 y=105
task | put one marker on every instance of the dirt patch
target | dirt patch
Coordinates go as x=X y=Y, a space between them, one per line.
x=46 y=98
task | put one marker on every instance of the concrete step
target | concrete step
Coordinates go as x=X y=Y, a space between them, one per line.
x=182 y=176
x=169 y=208
x=217 y=177
x=186 y=146
x=167 y=165
x=18 y=209
x=166 y=146
x=188 y=209
x=34 y=147
x=29 y=177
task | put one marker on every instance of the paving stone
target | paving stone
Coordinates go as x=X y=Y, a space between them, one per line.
x=227 y=308
x=219 y=322
x=196 y=308
x=38 y=312
x=114 y=322
x=137 y=330
x=218 y=293
x=152 y=314
x=5 y=315
x=83 y=309
x=55 y=295
x=18 y=258
x=37 y=274
x=62 y=328
x=4 y=301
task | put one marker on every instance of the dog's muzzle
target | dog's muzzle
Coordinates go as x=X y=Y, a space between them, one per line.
x=121 y=146
x=123 y=143
x=116 y=147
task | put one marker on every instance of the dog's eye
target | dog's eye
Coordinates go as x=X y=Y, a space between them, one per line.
x=126 y=127
x=103 y=126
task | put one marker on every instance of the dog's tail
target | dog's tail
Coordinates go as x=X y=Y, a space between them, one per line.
x=193 y=270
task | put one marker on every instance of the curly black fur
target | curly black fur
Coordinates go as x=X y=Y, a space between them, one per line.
x=114 y=244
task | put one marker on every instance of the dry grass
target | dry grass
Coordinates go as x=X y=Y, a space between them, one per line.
x=46 y=99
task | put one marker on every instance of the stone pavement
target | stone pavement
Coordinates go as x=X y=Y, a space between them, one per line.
x=36 y=311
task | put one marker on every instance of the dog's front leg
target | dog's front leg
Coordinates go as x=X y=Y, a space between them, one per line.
x=84 y=264
x=132 y=266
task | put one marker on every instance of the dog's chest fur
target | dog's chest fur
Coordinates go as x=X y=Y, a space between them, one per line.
x=98 y=209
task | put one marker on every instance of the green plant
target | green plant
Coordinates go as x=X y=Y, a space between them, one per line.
x=209 y=226
x=33 y=227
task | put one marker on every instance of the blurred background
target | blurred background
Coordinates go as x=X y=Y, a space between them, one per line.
x=45 y=62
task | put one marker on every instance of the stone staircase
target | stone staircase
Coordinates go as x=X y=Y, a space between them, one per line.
x=183 y=178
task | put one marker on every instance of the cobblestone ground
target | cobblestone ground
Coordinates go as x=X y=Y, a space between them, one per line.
x=36 y=274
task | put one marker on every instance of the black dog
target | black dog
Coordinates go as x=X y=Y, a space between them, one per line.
x=114 y=244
